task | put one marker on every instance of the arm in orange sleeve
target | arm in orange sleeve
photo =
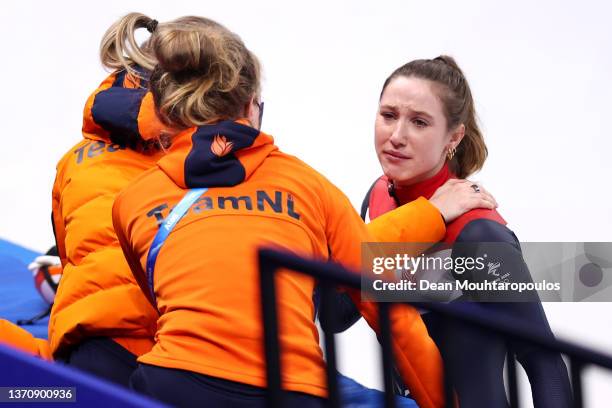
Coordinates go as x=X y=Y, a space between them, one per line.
x=416 y=221
x=416 y=355
x=21 y=339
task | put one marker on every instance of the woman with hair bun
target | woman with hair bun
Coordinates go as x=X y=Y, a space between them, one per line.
x=426 y=133
x=224 y=189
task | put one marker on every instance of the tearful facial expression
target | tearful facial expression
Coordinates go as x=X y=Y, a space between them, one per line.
x=411 y=131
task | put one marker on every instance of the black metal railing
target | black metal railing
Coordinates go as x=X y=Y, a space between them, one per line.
x=329 y=275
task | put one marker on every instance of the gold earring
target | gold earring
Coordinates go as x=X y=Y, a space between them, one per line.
x=451 y=152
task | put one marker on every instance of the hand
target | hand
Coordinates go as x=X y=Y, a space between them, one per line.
x=456 y=197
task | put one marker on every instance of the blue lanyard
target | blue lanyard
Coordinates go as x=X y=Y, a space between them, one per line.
x=166 y=228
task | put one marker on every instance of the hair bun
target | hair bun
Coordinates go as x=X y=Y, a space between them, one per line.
x=450 y=61
x=204 y=72
x=177 y=53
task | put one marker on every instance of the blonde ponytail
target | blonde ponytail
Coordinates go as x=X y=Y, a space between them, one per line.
x=119 y=49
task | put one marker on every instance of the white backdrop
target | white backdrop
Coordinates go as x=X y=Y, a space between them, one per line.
x=540 y=74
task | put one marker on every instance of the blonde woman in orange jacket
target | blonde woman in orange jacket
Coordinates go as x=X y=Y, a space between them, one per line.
x=98 y=309
x=233 y=191
x=99 y=320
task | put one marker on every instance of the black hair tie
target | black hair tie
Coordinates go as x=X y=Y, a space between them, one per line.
x=151 y=26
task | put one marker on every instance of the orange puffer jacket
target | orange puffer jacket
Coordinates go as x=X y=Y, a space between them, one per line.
x=98 y=295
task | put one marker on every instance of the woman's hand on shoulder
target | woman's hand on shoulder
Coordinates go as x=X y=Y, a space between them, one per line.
x=458 y=196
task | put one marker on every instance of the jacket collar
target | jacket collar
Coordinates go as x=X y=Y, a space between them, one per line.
x=221 y=154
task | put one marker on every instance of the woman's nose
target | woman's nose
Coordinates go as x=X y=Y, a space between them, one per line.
x=399 y=136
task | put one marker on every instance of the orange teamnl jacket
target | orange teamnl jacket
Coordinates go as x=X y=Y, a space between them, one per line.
x=97 y=295
x=205 y=282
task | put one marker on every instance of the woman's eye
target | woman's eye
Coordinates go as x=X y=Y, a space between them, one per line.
x=420 y=123
x=387 y=115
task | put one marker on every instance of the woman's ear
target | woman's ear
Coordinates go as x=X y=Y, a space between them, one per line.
x=457 y=136
x=251 y=113
x=248 y=108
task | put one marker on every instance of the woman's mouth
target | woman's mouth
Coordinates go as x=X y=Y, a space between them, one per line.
x=395 y=155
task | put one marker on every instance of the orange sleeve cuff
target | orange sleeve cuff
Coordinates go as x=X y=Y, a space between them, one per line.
x=417 y=221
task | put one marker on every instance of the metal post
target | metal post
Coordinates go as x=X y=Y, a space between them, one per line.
x=327 y=315
x=271 y=344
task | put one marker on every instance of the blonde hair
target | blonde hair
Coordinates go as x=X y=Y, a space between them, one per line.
x=119 y=49
x=201 y=72
x=456 y=97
